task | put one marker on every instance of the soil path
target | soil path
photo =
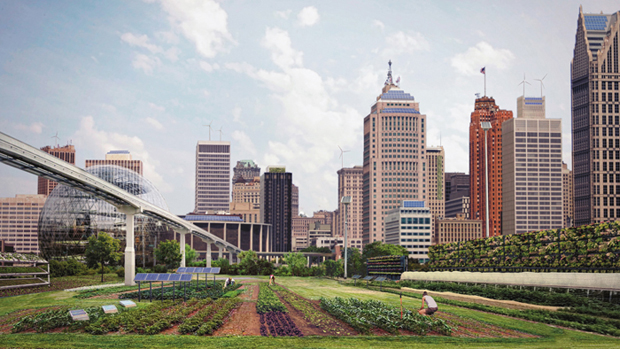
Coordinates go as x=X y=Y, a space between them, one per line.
x=244 y=320
x=485 y=301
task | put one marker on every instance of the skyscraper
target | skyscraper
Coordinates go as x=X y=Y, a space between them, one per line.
x=120 y=158
x=295 y=200
x=246 y=169
x=435 y=157
x=567 y=195
x=19 y=221
x=247 y=191
x=66 y=153
x=350 y=184
x=394 y=157
x=531 y=169
x=212 y=176
x=276 y=206
x=457 y=185
x=486 y=111
x=595 y=118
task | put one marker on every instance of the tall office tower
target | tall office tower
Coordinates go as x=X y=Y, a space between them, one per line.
x=531 y=169
x=212 y=176
x=295 y=200
x=595 y=118
x=459 y=206
x=120 y=158
x=457 y=229
x=457 y=185
x=486 y=111
x=276 y=206
x=247 y=190
x=66 y=153
x=350 y=184
x=394 y=159
x=567 y=196
x=246 y=169
x=435 y=176
x=19 y=221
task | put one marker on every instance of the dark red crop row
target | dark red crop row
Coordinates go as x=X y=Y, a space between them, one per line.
x=279 y=324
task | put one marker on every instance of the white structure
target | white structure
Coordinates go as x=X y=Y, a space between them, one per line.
x=212 y=191
x=531 y=169
x=410 y=226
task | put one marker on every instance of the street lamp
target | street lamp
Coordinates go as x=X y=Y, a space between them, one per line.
x=486 y=126
x=346 y=200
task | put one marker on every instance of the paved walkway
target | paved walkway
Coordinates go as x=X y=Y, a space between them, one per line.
x=93 y=287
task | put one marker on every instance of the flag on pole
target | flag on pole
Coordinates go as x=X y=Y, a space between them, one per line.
x=483 y=70
x=398 y=80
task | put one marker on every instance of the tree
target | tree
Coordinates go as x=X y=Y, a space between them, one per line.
x=355 y=263
x=190 y=254
x=317 y=249
x=248 y=264
x=102 y=249
x=296 y=262
x=169 y=252
x=334 y=268
x=378 y=249
x=222 y=263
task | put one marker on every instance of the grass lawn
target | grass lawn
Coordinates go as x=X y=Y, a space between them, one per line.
x=550 y=337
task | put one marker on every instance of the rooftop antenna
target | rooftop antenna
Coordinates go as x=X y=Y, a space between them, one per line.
x=342 y=155
x=220 y=131
x=56 y=136
x=209 y=126
x=523 y=83
x=541 y=84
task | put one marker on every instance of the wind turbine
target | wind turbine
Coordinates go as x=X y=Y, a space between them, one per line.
x=220 y=131
x=342 y=155
x=209 y=126
x=523 y=83
x=541 y=84
x=56 y=136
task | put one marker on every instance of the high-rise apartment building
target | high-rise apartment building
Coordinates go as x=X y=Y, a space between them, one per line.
x=531 y=169
x=66 y=153
x=246 y=169
x=19 y=221
x=457 y=229
x=435 y=157
x=394 y=157
x=486 y=111
x=457 y=185
x=350 y=184
x=276 y=206
x=247 y=191
x=567 y=196
x=120 y=158
x=595 y=110
x=409 y=225
x=212 y=176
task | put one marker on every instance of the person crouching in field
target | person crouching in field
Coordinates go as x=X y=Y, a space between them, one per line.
x=430 y=302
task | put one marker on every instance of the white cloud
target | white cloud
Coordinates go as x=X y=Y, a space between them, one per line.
x=140 y=41
x=35 y=127
x=94 y=59
x=482 y=55
x=236 y=113
x=377 y=23
x=308 y=16
x=402 y=42
x=209 y=67
x=244 y=141
x=172 y=54
x=146 y=63
x=167 y=37
x=156 y=124
x=283 y=14
x=203 y=22
x=278 y=42
x=157 y=108
x=206 y=93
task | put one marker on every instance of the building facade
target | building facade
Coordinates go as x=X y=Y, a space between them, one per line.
x=457 y=185
x=567 y=196
x=595 y=118
x=457 y=229
x=19 y=221
x=350 y=184
x=212 y=193
x=531 y=169
x=301 y=227
x=66 y=153
x=410 y=226
x=246 y=210
x=435 y=157
x=276 y=206
x=121 y=158
x=486 y=111
x=246 y=169
x=295 y=200
x=458 y=206
x=247 y=191
x=394 y=157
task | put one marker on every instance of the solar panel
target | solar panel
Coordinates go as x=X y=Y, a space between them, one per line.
x=207 y=270
x=163 y=277
x=380 y=278
x=368 y=278
x=151 y=277
x=215 y=270
x=186 y=277
x=414 y=204
x=77 y=312
x=190 y=270
x=175 y=277
x=356 y=276
x=140 y=277
x=182 y=270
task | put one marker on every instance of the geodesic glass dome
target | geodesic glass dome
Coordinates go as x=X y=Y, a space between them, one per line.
x=71 y=216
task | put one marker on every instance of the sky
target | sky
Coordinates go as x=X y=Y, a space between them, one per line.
x=286 y=82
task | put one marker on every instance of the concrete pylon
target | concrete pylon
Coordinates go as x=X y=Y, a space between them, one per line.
x=181 y=233
x=130 y=249
x=208 y=254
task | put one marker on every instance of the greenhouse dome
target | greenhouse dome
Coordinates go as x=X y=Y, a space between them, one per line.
x=71 y=216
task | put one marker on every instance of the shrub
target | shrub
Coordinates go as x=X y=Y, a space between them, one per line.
x=120 y=272
x=160 y=268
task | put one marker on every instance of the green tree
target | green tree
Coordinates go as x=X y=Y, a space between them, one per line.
x=169 y=252
x=222 y=263
x=102 y=249
x=296 y=262
x=334 y=268
x=355 y=263
x=190 y=254
x=248 y=264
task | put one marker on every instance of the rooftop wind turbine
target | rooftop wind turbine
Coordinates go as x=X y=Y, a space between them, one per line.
x=541 y=84
x=221 y=133
x=523 y=83
x=342 y=155
x=209 y=126
x=56 y=136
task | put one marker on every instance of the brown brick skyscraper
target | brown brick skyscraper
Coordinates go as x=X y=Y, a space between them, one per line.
x=66 y=153
x=486 y=110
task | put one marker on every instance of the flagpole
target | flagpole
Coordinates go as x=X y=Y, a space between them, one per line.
x=485 y=82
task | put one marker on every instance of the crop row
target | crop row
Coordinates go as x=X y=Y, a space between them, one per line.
x=279 y=324
x=268 y=300
x=103 y=291
x=210 y=318
x=54 y=318
x=178 y=291
x=364 y=315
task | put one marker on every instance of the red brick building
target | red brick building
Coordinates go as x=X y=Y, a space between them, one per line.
x=66 y=153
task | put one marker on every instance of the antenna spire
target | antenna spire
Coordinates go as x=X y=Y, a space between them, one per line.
x=389 y=80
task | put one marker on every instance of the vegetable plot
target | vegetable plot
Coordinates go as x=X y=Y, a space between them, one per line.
x=193 y=291
x=273 y=315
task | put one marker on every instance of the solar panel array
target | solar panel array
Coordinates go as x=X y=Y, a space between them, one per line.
x=414 y=204
x=596 y=22
x=368 y=278
x=162 y=277
x=401 y=110
x=198 y=270
x=213 y=218
x=397 y=94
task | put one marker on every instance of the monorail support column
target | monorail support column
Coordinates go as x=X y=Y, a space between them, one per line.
x=208 y=254
x=182 y=246
x=130 y=250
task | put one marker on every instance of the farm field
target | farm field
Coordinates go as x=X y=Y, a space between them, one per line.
x=291 y=314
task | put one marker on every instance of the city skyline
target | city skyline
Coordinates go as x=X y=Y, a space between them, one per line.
x=140 y=81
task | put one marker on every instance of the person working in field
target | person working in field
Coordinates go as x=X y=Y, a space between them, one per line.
x=229 y=282
x=272 y=280
x=430 y=302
